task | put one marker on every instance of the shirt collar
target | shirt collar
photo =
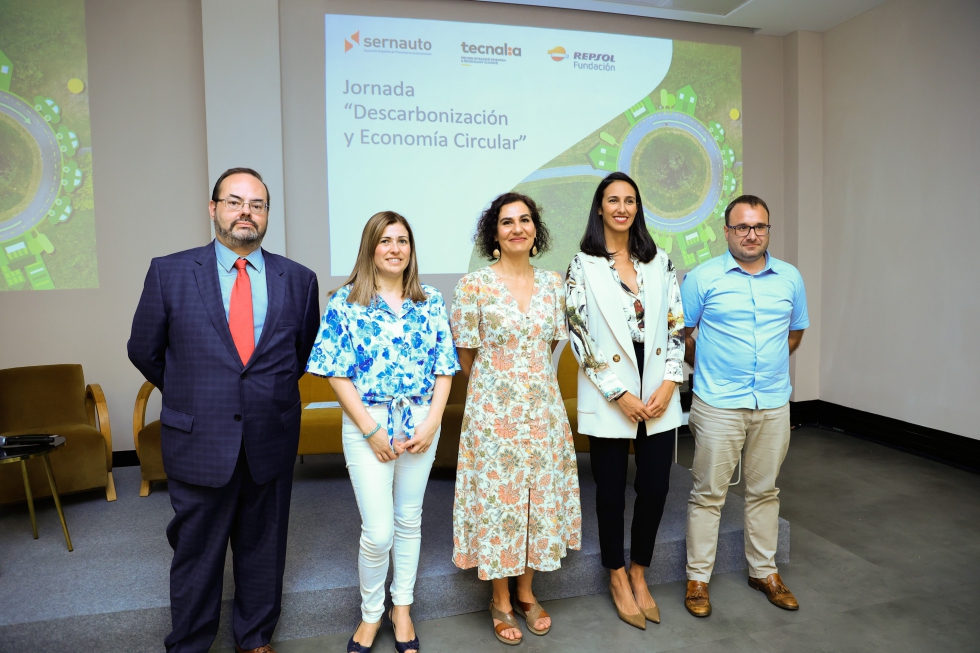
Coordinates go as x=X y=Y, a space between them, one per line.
x=731 y=264
x=227 y=258
x=380 y=304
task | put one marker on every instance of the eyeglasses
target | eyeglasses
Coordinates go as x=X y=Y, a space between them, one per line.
x=743 y=229
x=235 y=205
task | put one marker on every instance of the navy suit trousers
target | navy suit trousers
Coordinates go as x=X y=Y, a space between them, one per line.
x=254 y=518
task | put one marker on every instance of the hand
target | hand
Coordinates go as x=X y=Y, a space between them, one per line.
x=379 y=444
x=633 y=408
x=660 y=399
x=422 y=440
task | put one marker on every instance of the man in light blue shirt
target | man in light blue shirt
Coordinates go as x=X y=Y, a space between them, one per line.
x=750 y=312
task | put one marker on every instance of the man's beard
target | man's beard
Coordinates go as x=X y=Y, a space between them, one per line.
x=247 y=238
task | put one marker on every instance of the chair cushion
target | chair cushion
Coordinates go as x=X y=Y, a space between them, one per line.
x=320 y=431
x=78 y=465
x=32 y=397
x=150 y=453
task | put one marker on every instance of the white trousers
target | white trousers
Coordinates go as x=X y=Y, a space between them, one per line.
x=720 y=436
x=389 y=498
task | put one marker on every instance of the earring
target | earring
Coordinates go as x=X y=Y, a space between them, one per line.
x=534 y=248
x=496 y=251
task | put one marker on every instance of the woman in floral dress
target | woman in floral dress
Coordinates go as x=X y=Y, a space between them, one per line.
x=517 y=504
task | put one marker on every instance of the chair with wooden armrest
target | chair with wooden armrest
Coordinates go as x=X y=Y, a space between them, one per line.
x=146 y=439
x=54 y=399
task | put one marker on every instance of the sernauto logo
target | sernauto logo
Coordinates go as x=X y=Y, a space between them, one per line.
x=594 y=61
x=355 y=37
x=387 y=45
x=558 y=53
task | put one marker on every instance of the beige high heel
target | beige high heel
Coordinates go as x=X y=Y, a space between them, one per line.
x=637 y=620
x=652 y=614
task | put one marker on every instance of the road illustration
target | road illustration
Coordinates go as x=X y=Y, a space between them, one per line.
x=50 y=150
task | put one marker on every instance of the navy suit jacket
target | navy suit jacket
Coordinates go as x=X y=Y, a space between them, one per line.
x=182 y=344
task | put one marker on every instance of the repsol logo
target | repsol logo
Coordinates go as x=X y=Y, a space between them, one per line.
x=593 y=56
x=504 y=50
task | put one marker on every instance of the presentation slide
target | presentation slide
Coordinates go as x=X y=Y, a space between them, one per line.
x=47 y=216
x=433 y=119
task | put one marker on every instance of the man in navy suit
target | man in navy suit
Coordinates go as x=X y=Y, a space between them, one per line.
x=225 y=331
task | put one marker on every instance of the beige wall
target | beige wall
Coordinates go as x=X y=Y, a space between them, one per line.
x=901 y=305
x=146 y=86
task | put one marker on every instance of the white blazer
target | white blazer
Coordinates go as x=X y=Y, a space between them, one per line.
x=609 y=331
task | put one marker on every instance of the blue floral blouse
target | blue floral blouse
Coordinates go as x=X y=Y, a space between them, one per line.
x=391 y=359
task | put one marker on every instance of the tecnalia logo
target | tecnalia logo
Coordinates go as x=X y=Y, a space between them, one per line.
x=558 y=53
x=398 y=45
x=501 y=50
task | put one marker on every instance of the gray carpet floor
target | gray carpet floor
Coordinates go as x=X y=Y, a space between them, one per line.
x=112 y=594
x=885 y=557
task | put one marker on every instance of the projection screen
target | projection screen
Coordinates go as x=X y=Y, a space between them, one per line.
x=47 y=213
x=433 y=119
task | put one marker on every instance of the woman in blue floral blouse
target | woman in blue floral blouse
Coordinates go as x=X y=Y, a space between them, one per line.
x=385 y=345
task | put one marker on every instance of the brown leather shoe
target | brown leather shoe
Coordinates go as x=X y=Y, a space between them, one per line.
x=697 y=601
x=772 y=586
x=262 y=649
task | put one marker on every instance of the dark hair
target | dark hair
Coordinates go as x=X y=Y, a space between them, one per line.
x=238 y=171
x=751 y=200
x=641 y=244
x=486 y=228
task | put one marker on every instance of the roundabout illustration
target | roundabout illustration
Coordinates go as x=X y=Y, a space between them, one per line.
x=47 y=144
x=686 y=171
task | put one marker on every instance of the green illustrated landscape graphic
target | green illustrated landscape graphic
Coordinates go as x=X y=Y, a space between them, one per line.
x=47 y=213
x=682 y=144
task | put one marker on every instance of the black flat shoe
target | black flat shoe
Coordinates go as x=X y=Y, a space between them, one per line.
x=354 y=647
x=402 y=647
x=357 y=647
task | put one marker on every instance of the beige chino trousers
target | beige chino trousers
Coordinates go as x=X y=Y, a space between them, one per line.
x=720 y=436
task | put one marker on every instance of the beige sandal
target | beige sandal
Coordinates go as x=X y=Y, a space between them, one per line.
x=531 y=613
x=507 y=621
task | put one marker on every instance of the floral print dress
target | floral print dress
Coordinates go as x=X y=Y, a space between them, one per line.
x=517 y=494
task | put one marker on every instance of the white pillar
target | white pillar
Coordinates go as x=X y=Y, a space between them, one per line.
x=243 y=98
x=803 y=192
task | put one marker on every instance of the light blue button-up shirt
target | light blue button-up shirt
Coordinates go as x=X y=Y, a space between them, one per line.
x=743 y=320
x=256 y=275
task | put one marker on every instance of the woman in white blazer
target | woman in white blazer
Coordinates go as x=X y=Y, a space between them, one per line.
x=626 y=324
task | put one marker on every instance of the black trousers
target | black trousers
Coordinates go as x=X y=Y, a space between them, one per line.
x=610 y=464
x=254 y=517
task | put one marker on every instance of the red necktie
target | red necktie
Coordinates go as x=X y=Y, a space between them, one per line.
x=240 y=313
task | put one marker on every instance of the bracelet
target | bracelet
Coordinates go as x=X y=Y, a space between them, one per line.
x=375 y=430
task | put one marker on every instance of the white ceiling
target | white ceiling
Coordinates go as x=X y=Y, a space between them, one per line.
x=773 y=17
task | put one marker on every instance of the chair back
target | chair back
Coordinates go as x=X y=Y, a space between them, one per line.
x=568 y=373
x=41 y=395
x=457 y=393
x=315 y=388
